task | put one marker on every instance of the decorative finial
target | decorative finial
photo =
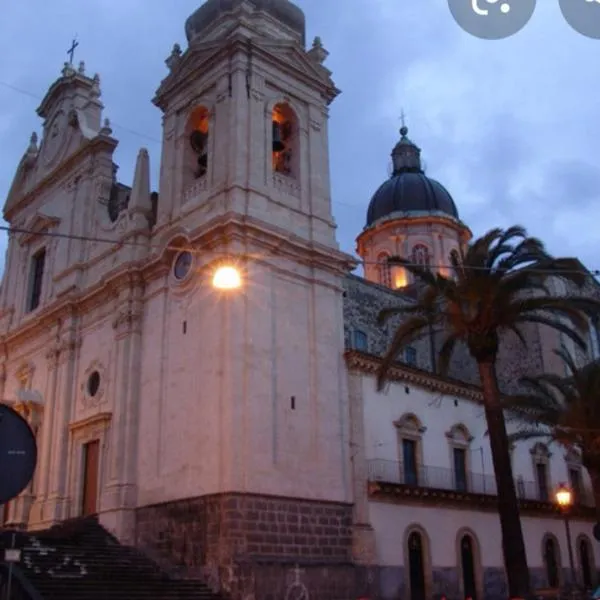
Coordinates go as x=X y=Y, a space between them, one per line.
x=71 y=50
x=95 y=89
x=106 y=129
x=67 y=69
x=404 y=128
x=318 y=52
x=81 y=67
x=33 y=140
x=174 y=57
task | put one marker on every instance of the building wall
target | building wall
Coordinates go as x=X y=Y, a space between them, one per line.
x=440 y=416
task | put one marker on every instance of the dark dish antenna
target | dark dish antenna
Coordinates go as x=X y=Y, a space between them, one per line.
x=18 y=454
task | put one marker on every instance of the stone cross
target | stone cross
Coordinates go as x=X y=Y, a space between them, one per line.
x=71 y=50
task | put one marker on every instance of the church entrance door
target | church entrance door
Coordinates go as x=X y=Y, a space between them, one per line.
x=91 y=463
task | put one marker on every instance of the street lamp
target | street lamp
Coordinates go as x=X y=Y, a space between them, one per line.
x=227 y=277
x=564 y=499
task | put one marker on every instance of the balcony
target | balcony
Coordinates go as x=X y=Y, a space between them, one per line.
x=391 y=474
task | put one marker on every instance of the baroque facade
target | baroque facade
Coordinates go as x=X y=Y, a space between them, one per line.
x=237 y=433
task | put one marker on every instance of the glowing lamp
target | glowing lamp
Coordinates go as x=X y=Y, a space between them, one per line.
x=227 y=277
x=564 y=497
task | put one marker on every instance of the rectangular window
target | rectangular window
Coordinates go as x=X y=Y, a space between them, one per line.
x=36 y=278
x=542 y=481
x=575 y=481
x=460 y=469
x=91 y=467
x=409 y=461
x=410 y=356
x=359 y=340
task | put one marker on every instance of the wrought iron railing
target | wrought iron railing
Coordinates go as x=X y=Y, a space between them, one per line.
x=441 y=478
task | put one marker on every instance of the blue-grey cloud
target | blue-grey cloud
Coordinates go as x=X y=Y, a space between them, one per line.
x=508 y=126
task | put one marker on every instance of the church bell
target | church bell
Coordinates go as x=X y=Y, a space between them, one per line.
x=278 y=145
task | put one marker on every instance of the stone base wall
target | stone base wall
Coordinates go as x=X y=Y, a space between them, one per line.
x=255 y=546
x=445 y=581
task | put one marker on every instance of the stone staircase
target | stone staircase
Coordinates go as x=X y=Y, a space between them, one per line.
x=80 y=560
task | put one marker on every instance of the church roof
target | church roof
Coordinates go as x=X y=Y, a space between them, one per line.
x=409 y=192
x=283 y=10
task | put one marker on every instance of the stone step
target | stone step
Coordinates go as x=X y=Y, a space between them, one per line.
x=80 y=560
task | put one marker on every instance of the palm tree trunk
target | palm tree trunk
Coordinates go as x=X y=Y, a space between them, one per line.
x=595 y=478
x=513 y=545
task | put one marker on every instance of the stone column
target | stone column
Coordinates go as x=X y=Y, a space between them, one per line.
x=363 y=544
x=45 y=438
x=120 y=496
x=57 y=506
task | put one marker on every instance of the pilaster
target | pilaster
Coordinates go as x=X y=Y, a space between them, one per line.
x=363 y=535
x=120 y=495
x=45 y=437
x=56 y=507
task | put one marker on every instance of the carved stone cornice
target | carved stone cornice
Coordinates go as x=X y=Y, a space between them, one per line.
x=420 y=496
x=366 y=363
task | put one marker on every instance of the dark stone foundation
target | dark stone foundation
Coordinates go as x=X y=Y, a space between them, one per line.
x=260 y=545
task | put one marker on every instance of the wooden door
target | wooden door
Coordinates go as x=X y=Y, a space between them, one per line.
x=91 y=464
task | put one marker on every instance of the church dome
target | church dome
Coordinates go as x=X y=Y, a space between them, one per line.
x=283 y=10
x=409 y=190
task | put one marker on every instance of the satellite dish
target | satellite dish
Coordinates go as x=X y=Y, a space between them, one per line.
x=18 y=454
x=198 y=141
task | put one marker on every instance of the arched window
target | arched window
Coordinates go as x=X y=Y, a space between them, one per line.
x=585 y=554
x=410 y=432
x=197 y=143
x=551 y=561
x=284 y=141
x=460 y=439
x=385 y=274
x=418 y=560
x=467 y=564
x=541 y=466
x=420 y=255
x=453 y=259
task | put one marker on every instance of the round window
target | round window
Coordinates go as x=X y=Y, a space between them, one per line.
x=183 y=265
x=93 y=384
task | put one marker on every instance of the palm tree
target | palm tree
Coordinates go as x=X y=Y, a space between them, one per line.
x=565 y=410
x=499 y=283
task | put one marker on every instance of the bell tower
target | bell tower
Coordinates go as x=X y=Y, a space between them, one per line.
x=253 y=402
x=245 y=121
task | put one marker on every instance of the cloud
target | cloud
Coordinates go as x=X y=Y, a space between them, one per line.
x=510 y=127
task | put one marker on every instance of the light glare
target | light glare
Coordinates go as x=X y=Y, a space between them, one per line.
x=564 y=496
x=227 y=278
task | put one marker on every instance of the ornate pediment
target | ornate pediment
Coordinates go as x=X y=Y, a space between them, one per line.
x=36 y=225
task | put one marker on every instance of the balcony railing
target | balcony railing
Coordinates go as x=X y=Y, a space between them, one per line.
x=440 y=478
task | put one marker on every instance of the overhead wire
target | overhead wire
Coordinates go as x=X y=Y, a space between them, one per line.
x=196 y=250
x=595 y=272
x=144 y=135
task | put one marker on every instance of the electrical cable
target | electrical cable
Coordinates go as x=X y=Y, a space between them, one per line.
x=594 y=273
x=148 y=137
x=196 y=250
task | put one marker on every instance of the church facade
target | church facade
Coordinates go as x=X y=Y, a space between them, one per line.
x=237 y=433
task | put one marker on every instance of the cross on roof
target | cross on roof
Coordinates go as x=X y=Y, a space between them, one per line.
x=71 y=50
x=402 y=118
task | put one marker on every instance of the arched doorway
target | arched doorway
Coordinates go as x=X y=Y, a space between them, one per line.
x=585 y=563
x=551 y=562
x=467 y=561
x=416 y=566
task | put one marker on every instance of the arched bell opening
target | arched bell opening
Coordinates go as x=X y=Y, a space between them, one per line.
x=284 y=141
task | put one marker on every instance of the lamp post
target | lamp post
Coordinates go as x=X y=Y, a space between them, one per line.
x=564 y=499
